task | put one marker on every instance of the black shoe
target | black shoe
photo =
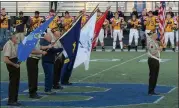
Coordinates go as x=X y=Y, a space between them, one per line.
x=58 y=87
x=136 y=48
x=122 y=50
x=113 y=50
x=163 y=49
x=103 y=49
x=36 y=96
x=153 y=93
x=173 y=49
x=14 y=104
x=129 y=47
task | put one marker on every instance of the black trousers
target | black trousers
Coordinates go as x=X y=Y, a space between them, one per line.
x=57 y=70
x=32 y=72
x=55 y=3
x=154 y=66
x=14 y=79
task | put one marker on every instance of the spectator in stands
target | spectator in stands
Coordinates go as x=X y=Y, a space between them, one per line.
x=55 y=3
x=20 y=27
x=134 y=12
x=155 y=13
x=3 y=27
x=170 y=11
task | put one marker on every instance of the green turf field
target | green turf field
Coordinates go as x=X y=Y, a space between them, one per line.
x=117 y=71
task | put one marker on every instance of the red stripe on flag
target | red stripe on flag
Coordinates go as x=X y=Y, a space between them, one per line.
x=162 y=22
x=98 y=26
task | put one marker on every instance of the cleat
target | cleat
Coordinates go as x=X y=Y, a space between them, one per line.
x=113 y=50
x=173 y=49
x=136 y=48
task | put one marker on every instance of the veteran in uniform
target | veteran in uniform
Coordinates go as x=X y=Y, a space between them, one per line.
x=32 y=70
x=10 y=58
x=153 y=62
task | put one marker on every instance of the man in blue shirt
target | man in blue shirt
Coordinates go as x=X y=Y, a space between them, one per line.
x=48 y=61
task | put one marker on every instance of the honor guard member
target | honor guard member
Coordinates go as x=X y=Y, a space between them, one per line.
x=10 y=58
x=153 y=62
x=150 y=23
x=3 y=27
x=101 y=33
x=35 y=21
x=169 y=31
x=67 y=21
x=32 y=70
x=59 y=60
x=133 y=25
x=116 y=24
x=53 y=28
x=48 y=62
x=20 y=27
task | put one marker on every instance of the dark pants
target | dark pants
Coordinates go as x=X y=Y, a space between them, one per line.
x=48 y=70
x=32 y=70
x=153 y=74
x=57 y=70
x=55 y=3
x=14 y=78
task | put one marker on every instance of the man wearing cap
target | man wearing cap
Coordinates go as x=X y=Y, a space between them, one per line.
x=10 y=58
x=20 y=27
x=153 y=62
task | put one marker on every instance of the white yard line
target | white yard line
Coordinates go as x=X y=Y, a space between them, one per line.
x=172 y=90
x=158 y=100
x=92 y=75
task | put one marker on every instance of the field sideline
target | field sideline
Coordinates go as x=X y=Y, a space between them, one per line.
x=110 y=68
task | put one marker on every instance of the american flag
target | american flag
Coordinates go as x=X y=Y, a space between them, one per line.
x=162 y=11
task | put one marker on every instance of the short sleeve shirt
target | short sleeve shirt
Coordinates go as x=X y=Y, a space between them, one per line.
x=10 y=49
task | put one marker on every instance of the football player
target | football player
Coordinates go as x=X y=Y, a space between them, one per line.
x=117 y=32
x=134 y=25
x=53 y=28
x=169 y=33
x=67 y=21
x=35 y=21
x=176 y=27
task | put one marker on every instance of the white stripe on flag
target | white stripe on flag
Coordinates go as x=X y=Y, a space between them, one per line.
x=85 y=45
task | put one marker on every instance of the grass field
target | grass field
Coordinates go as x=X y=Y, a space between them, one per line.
x=111 y=68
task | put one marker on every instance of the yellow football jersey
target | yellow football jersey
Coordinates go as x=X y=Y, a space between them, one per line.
x=35 y=22
x=54 y=23
x=151 y=23
x=84 y=19
x=4 y=24
x=67 y=22
x=135 y=23
x=168 y=27
x=116 y=24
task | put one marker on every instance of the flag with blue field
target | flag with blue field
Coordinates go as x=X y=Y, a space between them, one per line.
x=29 y=42
x=70 y=42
